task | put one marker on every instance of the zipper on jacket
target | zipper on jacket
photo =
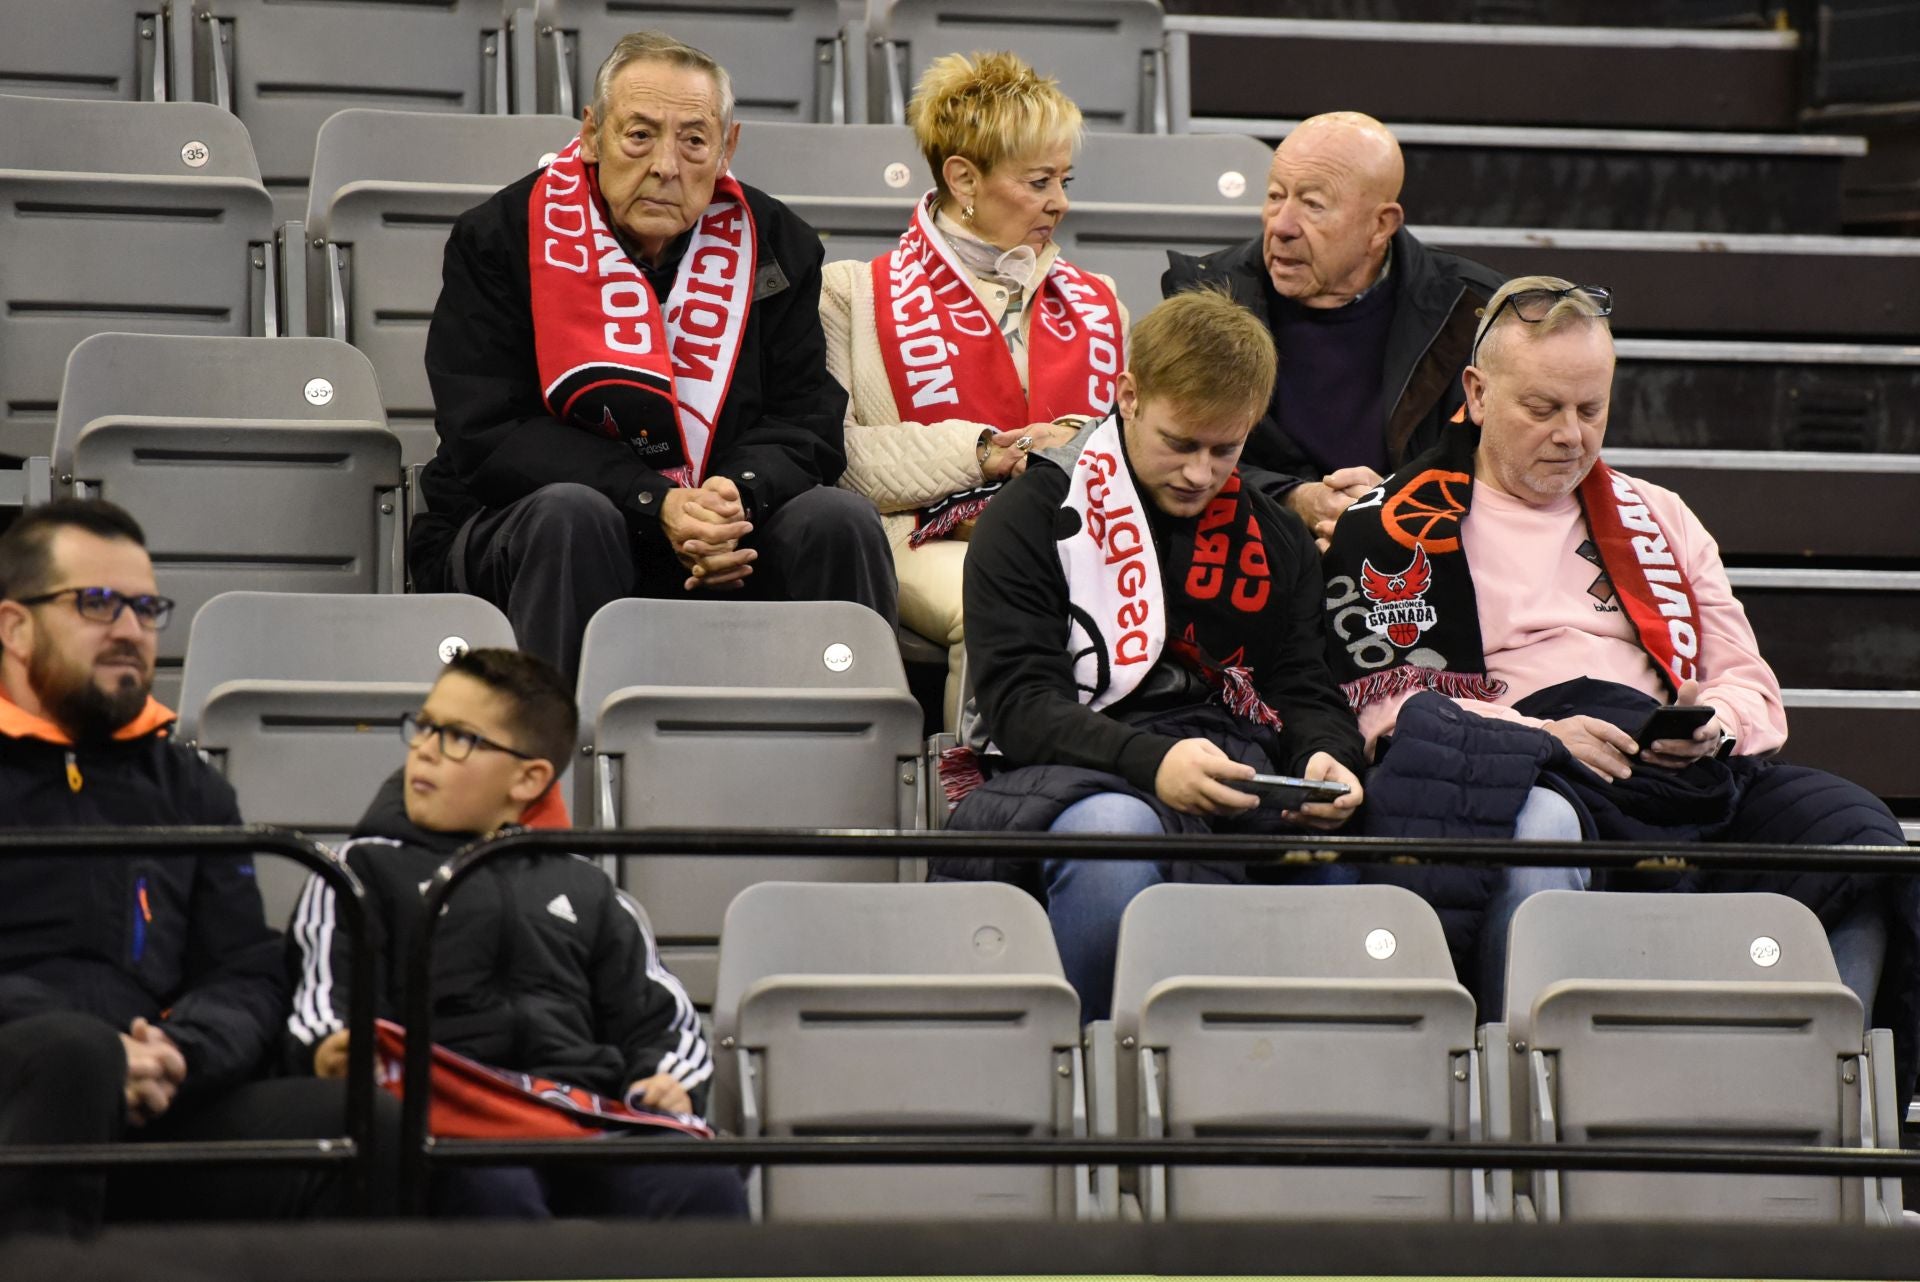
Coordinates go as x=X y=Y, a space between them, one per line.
x=74 y=781
x=142 y=917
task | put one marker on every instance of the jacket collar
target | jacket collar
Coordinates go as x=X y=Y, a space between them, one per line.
x=17 y=723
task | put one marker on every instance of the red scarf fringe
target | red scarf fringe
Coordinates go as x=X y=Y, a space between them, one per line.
x=951 y=517
x=959 y=774
x=1411 y=676
x=1242 y=700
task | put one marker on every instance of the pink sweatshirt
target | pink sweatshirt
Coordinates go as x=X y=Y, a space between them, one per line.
x=1545 y=618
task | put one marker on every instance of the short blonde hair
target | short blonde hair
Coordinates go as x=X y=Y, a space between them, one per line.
x=987 y=107
x=657 y=46
x=1207 y=354
x=1571 y=309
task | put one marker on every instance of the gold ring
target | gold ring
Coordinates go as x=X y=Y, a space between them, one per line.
x=1024 y=444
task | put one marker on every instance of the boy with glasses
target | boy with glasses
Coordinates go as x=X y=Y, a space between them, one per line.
x=541 y=966
x=138 y=996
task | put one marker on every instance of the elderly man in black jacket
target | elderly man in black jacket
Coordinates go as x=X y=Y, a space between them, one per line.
x=1372 y=326
x=138 y=996
x=1143 y=635
x=630 y=378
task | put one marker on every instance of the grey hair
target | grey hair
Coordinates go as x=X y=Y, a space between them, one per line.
x=656 y=46
x=1573 y=309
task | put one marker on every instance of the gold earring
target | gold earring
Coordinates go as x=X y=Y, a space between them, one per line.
x=967 y=213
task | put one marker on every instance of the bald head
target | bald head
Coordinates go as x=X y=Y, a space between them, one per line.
x=1332 y=207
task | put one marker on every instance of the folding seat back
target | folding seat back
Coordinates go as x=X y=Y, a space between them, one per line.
x=127 y=216
x=118 y=49
x=284 y=66
x=786 y=58
x=854 y=184
x=1106 y=54
x=1135 y=198
x=251 y=463
x=742 y=714
x=1294 y=1012
x=928 y=1010
x=387 y=187
x=297 y=697
x=1649 y=1018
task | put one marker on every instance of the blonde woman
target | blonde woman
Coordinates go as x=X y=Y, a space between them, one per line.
x=973 y=342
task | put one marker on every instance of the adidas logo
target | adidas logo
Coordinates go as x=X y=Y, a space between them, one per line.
x=562 y=908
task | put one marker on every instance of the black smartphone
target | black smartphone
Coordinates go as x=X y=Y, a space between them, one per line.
x=1287 y=792
x=1676 y=722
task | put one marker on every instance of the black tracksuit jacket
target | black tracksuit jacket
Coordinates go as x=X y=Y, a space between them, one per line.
x=539 y=966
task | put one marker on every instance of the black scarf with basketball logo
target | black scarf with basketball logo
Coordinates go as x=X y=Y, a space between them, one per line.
x=1401 y=610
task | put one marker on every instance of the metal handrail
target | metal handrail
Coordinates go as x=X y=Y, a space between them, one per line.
x=358 y=1148
x=419 y=1151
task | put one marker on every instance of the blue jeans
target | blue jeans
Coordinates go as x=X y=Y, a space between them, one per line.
x=1085 y=899
x=1546 y=816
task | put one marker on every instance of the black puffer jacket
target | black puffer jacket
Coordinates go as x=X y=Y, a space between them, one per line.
x=540 y=966
x=1428 y=343
x=180 y=941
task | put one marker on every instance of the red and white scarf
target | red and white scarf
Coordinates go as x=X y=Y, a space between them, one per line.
x=610 y=361
x=947 y=359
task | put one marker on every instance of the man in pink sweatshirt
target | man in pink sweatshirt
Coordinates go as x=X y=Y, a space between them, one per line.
x=1513 y=572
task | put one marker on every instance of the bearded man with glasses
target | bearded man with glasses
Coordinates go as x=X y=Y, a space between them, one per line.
x=138 y=996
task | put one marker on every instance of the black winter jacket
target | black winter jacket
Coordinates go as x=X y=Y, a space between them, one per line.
x=1428 y=342
x=779 y=432
x=179 y=940
x=1022 y=676
x=539 y=966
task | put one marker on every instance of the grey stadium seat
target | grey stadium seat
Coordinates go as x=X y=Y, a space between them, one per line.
x=854 y=184
x=251 y=463
x=1294 y=1012
x=144 y=216
x=284 y=66
x=387 y=187
x=787 y=58
x=297 y=698
x=129 y=50
x=1106 y=54
x=1137 y=198
x=931 y=1010
x=1651 y=1018
x=745 y=714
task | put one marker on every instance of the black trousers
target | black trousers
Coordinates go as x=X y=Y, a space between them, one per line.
x=596 y=1190
x=61 y=1082
x=555 y=557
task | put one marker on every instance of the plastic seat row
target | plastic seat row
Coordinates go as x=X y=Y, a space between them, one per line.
x=939 y=1011
x=781 y=714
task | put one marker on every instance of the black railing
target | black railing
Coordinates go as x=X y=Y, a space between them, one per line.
x=358 y=1147
x=419 y=1151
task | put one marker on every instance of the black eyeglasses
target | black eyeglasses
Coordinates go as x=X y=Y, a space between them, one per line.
x=103 y=605
x=1532 y=306
x=455 y=744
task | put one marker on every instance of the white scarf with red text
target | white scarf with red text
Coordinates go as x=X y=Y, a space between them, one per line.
x=609 y=360
x=1117 y=606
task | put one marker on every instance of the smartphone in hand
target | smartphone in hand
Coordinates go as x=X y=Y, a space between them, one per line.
x=1287 y=792
x=1676 y=722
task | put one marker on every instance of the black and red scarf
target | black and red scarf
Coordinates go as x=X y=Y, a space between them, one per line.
x=946 y=358
x=611 y=360
x=1401 y=610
